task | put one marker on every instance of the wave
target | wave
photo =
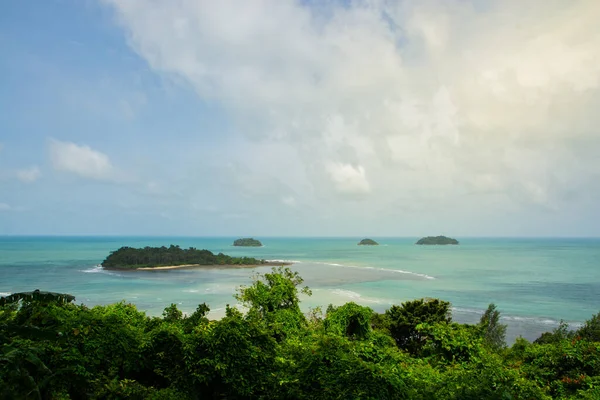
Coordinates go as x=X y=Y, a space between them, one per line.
x=4 y=294
x=97 y=269
x=357 y=296
x=285 y=261
x=94 y=270
x=214 y=289
x=468 y=310
x=514 y=318
x=396 y=271
x=540 y=320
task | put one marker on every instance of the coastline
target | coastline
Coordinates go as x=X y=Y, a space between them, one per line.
x=198 y=266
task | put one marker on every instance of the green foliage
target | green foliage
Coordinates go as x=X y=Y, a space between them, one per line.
x=53 y=349
x=436 y=240
x=591 y=329
x=37 y=296
x=403 y=321
x=132 y=258
x=560 y=333
x=351 y=320
x=247 y=242
x=449 y=343
x=172 y=313
x=494 y=333
x=564 y=367
x=368 y=242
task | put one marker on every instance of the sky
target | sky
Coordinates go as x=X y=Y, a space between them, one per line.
x=300 y=118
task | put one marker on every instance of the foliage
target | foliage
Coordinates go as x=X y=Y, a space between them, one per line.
x=351 y=320
x=247 y=242
x=51 y=348
x=494 y=333
x=436 y=240
x=403 y=321
x=560 y=333
x=591 y=329
x=38 y=297
x=367 y=242
x=131 y=258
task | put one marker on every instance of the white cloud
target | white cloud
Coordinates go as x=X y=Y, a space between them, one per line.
x=289 y=201
x=437 y=99
x=29 y=175
x=81 y=160
x=348 y=179
x=5 y=207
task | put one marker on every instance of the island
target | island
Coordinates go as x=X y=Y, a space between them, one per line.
x=368 y=242
x=247 y=242
x=437 y=240
x=174 y=257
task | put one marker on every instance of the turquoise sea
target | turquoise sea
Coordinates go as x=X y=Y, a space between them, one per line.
x=534 y=282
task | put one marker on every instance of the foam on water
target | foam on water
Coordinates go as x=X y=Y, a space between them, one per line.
x=357 y=296
x=285 y=261
x=396 y=271
x=97 y=269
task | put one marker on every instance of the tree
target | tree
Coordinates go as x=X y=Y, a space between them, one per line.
x=591 y=329
x=493 y=332
x=273 y=298
x=172 y=313
x=350 y=320
x=557 y=335
x=403 y=321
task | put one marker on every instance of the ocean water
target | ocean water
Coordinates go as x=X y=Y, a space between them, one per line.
x=534 y=282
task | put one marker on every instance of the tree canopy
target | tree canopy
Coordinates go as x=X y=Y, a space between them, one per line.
x=52 y=348
x=367 y=242
x=247 y=242
x=131 y=258
x=436 y=240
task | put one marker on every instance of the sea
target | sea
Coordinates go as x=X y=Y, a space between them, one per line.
x=535 y=283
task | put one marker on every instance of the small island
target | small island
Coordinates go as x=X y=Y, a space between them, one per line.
x=247 y=242
x=436 y=240
x=368 y=242
x=174 y=257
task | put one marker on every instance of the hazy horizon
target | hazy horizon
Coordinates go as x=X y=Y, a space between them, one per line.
x=468 y=118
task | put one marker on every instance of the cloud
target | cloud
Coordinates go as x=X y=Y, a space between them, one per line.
x=29 y=175
x=429 y=100
x=289 y=201
x=81 y=160
x=5 y=207
x=348 y=179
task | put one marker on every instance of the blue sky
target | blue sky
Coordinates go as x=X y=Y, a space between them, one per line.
x=389 y=118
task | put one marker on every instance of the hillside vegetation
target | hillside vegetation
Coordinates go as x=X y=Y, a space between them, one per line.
x=147 y=257
x=368 y=242
x=436 y=240
x=247 y=242
x=51 y=348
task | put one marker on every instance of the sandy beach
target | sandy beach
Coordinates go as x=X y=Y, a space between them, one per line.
x=190 y=266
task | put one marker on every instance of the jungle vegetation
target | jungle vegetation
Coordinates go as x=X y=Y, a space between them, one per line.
x=247 y=242
x=436 y=240
x=132 y=258
x=52 y=348
x=367 y=242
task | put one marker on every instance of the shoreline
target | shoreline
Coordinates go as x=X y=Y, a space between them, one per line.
x=198 y=266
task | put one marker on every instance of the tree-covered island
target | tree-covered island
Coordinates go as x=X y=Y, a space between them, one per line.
x=436 y=240
x=247 y=242
x=173 y=256
x=368 y=242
